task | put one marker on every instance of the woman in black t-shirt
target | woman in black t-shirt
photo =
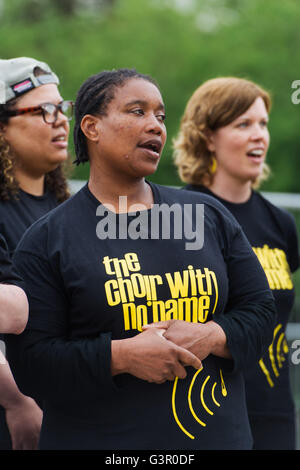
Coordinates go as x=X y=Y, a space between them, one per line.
x=13 y=319
x=33 y=147
x=13 y=300
x=122 y=254
x=34 y=133
x=220 y=150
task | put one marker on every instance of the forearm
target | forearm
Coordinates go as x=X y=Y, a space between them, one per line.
x=51 y=367
x=249 y=331
x=10 y=394
x=13 y=309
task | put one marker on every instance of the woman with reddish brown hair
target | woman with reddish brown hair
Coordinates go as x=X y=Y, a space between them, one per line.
x=220 y=150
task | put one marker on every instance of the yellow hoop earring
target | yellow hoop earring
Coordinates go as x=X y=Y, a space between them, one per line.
x=213 y=165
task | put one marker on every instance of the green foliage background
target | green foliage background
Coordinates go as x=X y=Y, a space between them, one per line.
x=180 y=46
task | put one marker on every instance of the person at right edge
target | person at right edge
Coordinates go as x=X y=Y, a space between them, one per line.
x=220 y=150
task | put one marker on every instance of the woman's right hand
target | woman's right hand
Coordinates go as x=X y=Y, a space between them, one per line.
x=151 y=357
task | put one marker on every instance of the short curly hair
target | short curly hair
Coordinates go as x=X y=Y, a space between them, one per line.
x=216 y=103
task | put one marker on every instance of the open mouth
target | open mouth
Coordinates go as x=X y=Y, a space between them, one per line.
x=256 y=156
x=153 y=146
x=256 y=153
x=60 y=142
x=60 y=138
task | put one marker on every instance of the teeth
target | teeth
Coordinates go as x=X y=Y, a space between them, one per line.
x=257 y=152
x=153 y=148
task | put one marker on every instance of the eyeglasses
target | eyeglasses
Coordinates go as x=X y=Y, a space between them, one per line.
x=49 y=111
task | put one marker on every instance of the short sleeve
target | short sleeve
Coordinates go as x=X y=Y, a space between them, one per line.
x=8 y=273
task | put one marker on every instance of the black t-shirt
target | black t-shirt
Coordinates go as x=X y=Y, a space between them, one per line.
x=8 y=274
x=17 y=214
x=84 y=291
x=272 y=234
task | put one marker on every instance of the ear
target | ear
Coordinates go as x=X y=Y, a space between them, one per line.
x=90 y=127
x=210 y=140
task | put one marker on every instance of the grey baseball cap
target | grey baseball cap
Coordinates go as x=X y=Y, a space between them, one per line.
x=17 y=77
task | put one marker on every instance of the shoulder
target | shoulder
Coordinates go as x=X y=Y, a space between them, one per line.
x=52 y=226
x=216 y=215
x=6 y=204
x=286 y=224
x=282 y=217
x=278 y=211
x=185 y=196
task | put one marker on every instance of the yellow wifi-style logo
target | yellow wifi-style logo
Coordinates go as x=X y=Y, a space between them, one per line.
x=189 y=398
x=277 y=352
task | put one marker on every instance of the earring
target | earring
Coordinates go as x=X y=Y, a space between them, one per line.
x=213 y=165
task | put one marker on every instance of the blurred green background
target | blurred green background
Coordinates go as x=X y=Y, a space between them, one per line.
x=181 y=43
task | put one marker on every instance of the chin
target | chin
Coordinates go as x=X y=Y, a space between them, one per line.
x=254 y=176
x=150 y=169
x=58 y=159
x=145 y=171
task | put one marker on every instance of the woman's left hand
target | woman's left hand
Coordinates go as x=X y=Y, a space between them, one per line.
x=201 y=339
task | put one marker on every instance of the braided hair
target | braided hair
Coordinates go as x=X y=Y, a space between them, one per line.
x=94 y=96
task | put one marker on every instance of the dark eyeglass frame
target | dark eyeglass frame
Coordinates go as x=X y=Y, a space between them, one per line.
x=42 y=107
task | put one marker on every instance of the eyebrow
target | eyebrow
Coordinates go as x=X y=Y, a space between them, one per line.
x=145 y=103
x=247 y=118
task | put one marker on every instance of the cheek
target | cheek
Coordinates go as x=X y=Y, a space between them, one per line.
x=27 y=131
x=164 y=137
x=124 y=132
x=229 y=145
x=267 y=139
x=126 y=136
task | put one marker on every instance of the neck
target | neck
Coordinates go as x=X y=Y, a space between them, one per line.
x=109 y=192
x=231 y=189
x=30 y=184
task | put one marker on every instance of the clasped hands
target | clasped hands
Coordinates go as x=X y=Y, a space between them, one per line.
x=162 y=350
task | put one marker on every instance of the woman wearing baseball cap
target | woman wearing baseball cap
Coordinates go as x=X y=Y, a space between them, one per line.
x=34 y=129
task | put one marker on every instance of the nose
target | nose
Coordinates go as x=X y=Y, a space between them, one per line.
x=61 y=120
x=155 y=126
x=258 y=132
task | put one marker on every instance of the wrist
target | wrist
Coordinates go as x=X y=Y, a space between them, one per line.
x=12 y=400
x=118 y=356
x=218 y=340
